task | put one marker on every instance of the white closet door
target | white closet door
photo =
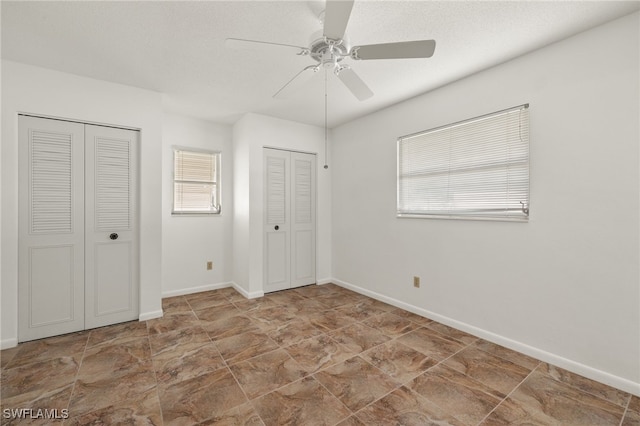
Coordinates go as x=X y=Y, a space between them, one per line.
x=277 y=220
x=303 y=219
x=110 y=228
x=50 y=227
x=290 y=219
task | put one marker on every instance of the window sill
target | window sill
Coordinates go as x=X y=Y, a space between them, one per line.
x=177 y=214
x=461 y=217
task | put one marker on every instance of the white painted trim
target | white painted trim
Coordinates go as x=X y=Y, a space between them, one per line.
x=256 y=295
x=548 y=357
x=191 y=290
x=324 y=281
x=289 y=150
x=8 y=343
x=209 y=287
x=245 y=293
x=150 y=315
x=240 y=290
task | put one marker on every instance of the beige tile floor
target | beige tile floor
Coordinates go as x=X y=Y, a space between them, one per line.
x=317 y=355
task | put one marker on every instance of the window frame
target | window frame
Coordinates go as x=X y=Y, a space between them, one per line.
x=480 y=214
x=217 y=155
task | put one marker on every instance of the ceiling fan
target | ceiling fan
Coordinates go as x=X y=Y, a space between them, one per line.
x=330 y=50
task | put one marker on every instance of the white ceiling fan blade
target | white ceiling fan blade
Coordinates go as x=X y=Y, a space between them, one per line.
x=401 y=50
x=355 y=84
x=238 y=43
x=296 y=82
x=336 y=17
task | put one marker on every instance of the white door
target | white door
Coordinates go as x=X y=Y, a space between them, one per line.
x=303 y=219
x=76 y=188
x=289 y=219
x=111 y=246
x=277 y=262
x=50 y=227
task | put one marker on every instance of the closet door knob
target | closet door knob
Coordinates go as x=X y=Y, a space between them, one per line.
x=276 y=227
x=113 y=236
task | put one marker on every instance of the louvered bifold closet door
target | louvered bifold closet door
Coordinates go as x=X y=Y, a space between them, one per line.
x=303 y=219
x=277 y=220
x=289 y=219
x=110 y=236
x=50 y=228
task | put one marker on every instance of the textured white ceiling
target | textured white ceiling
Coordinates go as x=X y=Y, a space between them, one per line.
x=177 y=48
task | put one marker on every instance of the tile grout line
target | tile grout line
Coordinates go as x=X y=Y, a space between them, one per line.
x=442 y=363
x=11 y=359
x=225 y=365
x=626 y=410
x=228 y=367
x=578 y=389
x=75 y=379
x=510 y=393
x=249 y=401
x=155 y=376
x=394 y=389
x=351 y=413
x=104 y=344
x=306 y=375
x=404 y=384
x=401 y=384
x=328 y=334
x=503 y=358
x=289 y=355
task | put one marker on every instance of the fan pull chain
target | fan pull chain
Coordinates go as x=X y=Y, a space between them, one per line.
x=326 y=166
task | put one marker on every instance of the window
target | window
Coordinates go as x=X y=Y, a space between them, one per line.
x=476 y=169
x=196 y=182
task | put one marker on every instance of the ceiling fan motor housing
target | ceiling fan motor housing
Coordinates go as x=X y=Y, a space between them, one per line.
x=327 y=52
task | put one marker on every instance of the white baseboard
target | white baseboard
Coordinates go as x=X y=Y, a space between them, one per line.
x=150 y=315
x=191 y=290
x=324 y=281
x=209 y=287
x=245 y=293
x=8 y=343
x=559 y=361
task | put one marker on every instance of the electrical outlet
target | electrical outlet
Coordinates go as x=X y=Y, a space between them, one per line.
x=416 y=282
x=209 y=265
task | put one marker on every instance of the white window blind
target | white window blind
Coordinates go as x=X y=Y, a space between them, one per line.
x=196 y=186
x=477 y=168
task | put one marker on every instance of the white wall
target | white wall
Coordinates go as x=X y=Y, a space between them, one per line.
x=188 y=242
x=563 y=287
x=251 y=134
x=40 y=91
x=241 y=205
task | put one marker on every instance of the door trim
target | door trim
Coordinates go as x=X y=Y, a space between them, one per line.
x=290 y=150
x=71 y=120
